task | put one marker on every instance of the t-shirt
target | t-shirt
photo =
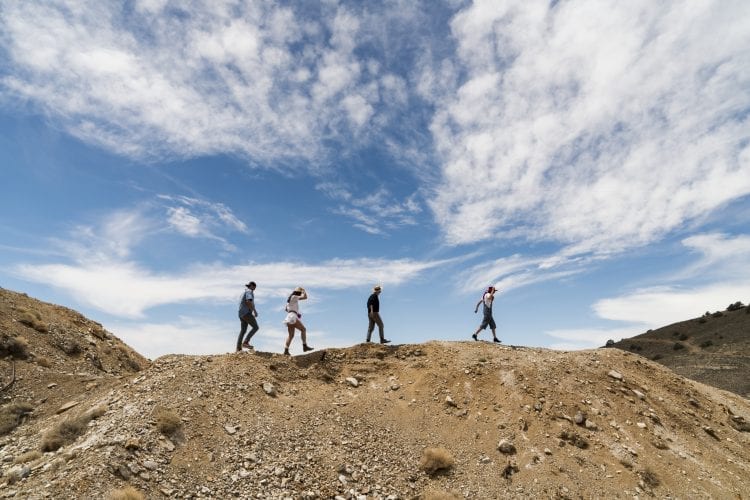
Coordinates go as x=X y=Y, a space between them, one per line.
x=247 y=295
x=488 y=298
x=293 y=304
x=373 y=301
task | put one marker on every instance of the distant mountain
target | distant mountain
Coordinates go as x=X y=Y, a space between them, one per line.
x=713 y=349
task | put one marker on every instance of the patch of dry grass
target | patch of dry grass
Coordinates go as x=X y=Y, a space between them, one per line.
x=167 y=421
x=438 y=495
x=32 y=319
x=17 y=347
x=27 y=457
x=43 y=361
x=435 y=459
x=70 y=429
x=126 y=493
x=11 y=415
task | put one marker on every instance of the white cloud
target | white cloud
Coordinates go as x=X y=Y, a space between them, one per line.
x=601 y=125
x=198 y=218
x=126 y=289
x=259 y=80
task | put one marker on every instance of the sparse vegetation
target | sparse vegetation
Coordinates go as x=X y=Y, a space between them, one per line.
x=11 y=416
x=574 y=439
x=683 y=336
x=27 y=457
x=42 y=361
x=717 y=314
x=436 y=459
x=678 y=345
x=167 y=421
x=70 y=347
x=736 y=306
x=702 y=319
x=706 y=343
x=70 y=429
x=657 y=357
x=649 y=478
x=126 y=493
x=17 y=347
x=32 y=319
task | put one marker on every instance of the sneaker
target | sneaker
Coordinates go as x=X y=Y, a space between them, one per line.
x=497 y=340
x=474 y=336
x=286 y=352
x=246 y=345
x=385 y=341
x=307 y=348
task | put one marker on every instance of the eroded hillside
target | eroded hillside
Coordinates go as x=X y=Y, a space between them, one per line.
x=356 y=422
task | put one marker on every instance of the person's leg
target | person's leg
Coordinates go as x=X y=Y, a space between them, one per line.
x=493 y=326
x=485 y=322
x=290 y=336
x=370 y=326
x=243 y=329
x=254 y=328
x=303 y=334
x=379 y=322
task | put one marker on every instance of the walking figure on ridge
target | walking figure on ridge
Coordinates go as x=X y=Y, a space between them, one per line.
x=294 y=319
x=487 y=319
x=373 y=314
x=247 y=314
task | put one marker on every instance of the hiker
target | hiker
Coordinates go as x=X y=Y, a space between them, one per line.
x=487 y=319
x=247 y=314
x=373 y=313
x=294 y=319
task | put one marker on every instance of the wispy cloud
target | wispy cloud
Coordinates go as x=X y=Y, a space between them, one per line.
x=198 y=218
x=599 y=125
x=377 y=212
x=268 y=82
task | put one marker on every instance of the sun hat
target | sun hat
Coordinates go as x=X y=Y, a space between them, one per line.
x=252 y=283
x=299 y=289
x=377 y=288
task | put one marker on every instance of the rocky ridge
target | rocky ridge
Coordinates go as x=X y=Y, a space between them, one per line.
x=355 y=423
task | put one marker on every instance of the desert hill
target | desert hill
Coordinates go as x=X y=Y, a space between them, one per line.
x=713 y=349
x=437 y=420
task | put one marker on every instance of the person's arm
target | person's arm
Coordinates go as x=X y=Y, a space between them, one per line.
x=476 y=308
x=251 y=306
x=303 y=296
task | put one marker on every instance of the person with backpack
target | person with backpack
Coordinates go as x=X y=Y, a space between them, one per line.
x=487 y=320
x=247 y=314
x=294 y=319
x=373 y=314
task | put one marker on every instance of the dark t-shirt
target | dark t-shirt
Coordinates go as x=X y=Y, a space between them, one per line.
x=374 y=302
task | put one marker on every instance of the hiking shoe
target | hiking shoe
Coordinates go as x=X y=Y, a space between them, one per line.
x=307 y=348
x=497 y=340
x=246 y=345
x=286 y=352
x=385 y=341
x=474 y=336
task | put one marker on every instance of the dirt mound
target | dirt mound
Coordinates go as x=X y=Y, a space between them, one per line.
x=713 y=349
x=438 y=420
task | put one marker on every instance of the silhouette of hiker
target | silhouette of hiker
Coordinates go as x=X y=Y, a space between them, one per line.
x=247 y=314
x=373 y=314
x=294 y=319
x=487 y=319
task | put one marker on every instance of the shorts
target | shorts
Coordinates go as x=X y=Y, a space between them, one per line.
x=488 y=320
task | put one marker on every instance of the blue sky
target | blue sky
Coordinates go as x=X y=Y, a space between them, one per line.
x=589 y=158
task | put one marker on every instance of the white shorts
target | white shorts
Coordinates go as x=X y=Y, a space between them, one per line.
x=291 y=318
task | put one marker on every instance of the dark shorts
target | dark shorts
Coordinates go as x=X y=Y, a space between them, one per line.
x=488 y=320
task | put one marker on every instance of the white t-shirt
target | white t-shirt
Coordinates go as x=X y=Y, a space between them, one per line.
x=488 y=298
x=293 y=304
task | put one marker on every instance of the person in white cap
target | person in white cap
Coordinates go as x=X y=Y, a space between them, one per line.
x=294 y=319
x=487 y=319
x=373 y=314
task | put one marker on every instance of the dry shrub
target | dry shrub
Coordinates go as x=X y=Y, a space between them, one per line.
x=126 y=493
x=42 y=361
x=435 y=459
x=167 y=421
x=32 y=320
x=16 y=347
x=11 y=415
x=438 y=495
x=70 y=429
x=27 y=457
x=649 y=478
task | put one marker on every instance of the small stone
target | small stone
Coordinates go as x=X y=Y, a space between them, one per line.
x=395 y=387
x=591 y=425
x=352 y=381
x=269 y=389
x=639 y=394
x=449 y=401
x=641 y=425
x=231 y=429
x=150 y=465
x=52 y=385
x=547 y=451
x=133 y=444
x=244 y=473
x=507 y=447
x=67 y=406
x=485 y=460
x=615 y=374
x=579 y=418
